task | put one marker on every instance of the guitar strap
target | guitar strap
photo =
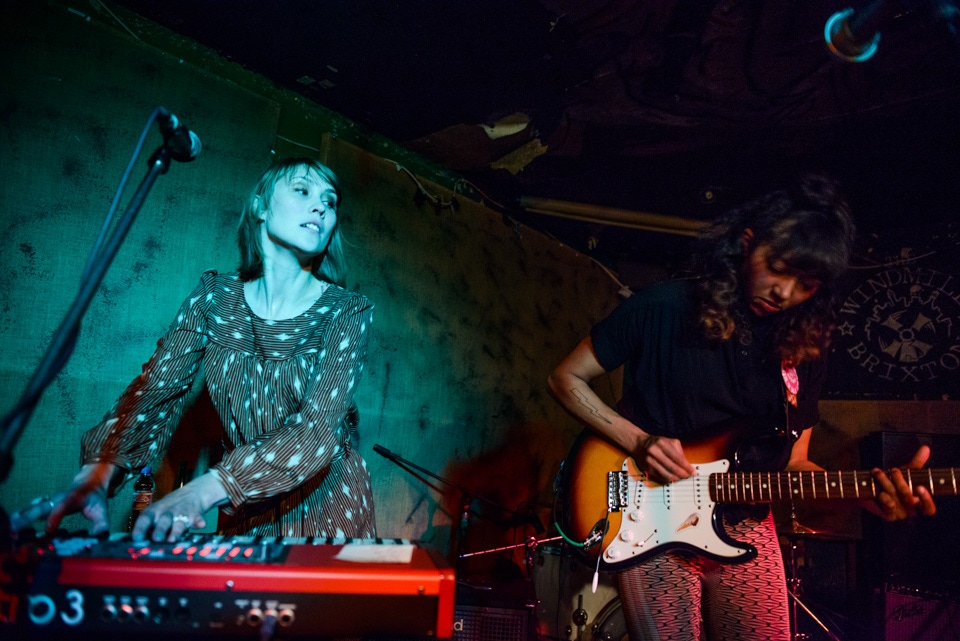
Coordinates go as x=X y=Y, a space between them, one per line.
x=772 y=450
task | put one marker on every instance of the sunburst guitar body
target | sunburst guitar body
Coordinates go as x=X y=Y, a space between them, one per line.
x=622 y=517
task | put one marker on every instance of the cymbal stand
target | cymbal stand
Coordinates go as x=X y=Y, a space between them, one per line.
x=467 y=498
x=794 y=587
x=530 y=547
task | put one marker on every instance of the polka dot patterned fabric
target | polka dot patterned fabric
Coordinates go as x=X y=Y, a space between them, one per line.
x=284 y=392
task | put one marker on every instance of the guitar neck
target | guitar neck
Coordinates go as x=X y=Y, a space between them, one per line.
x=749 y=487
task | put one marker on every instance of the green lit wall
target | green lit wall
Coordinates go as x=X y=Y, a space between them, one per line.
x=472 y=312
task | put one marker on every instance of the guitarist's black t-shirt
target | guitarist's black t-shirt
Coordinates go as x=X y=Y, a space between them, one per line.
x=678 y=383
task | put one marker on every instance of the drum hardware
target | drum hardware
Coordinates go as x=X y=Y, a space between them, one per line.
x=467 y=497
x=530 y=547
x=601 y=618
x=551 y=614
x=568 y=608
x=610 y=624
x=793 y=531
x=579 y=615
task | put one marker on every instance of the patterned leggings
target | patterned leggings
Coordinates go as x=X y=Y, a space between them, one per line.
x=663 y=599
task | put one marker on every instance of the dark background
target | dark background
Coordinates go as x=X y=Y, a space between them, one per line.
x=678 y=107
x=671 y=108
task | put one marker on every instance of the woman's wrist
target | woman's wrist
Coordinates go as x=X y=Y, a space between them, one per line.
x=100 y=474
x=209 y=490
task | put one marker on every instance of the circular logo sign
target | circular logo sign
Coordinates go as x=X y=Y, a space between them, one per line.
x=901 y=328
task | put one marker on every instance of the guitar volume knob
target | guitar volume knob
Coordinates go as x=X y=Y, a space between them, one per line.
x=635 y=515
x=626 y=536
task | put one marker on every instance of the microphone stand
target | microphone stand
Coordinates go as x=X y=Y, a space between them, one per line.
x=64 y=339
x=530 y=547
x=467 y=498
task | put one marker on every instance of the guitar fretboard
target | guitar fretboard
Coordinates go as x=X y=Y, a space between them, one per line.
x=748 y=487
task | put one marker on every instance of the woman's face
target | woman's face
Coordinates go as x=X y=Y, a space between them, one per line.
x=301 y=214
x=770 y=286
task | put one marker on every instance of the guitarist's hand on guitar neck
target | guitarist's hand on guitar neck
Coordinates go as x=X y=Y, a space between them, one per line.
x=897 y=499
x=602 y=491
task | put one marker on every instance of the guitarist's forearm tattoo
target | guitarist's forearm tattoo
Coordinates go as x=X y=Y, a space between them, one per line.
x=590 y=407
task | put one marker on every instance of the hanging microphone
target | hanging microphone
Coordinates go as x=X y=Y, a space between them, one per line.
x=183 y=144
x=854 y=36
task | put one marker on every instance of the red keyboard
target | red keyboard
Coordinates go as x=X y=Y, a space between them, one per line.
x=213 y=586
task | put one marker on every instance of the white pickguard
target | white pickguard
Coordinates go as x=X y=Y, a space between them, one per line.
x=677 y=515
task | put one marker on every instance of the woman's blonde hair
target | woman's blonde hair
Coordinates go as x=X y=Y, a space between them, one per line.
x=331 y=265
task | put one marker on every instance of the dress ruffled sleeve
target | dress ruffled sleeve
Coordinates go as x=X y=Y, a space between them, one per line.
x=140 y=424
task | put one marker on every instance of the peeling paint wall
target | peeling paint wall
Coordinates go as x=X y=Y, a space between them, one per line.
x=472 y=311
x=74 y=98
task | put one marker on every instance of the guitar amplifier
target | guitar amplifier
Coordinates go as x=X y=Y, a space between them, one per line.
x=912 y=614
x=479 y=623
x=495 y=612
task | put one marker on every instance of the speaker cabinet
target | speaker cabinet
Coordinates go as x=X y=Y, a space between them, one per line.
x=922 y=551
x=911 y=614
x=494 y=611
x=480 y=623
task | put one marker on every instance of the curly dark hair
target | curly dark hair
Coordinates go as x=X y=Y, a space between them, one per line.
x=809 y=228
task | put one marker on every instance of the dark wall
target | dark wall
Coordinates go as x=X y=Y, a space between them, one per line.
x=472 y=313
x=899 y=336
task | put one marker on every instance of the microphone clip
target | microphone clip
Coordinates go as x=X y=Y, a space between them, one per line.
x=844 y=42
x=179 y=142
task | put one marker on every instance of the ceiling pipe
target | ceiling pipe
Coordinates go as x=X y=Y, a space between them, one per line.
x=612 y=216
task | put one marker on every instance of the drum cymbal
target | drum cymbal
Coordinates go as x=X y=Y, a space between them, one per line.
x=793 y=527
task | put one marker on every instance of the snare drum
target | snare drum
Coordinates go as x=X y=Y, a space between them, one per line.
x=610 y=625
x=567 y=607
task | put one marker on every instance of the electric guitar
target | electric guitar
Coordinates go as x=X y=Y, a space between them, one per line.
x=622 y=517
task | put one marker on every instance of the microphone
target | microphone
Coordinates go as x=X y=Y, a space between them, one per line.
x=854 y=36
x=382 y=451
x=183 y=144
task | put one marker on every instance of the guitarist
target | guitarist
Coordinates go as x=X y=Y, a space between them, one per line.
x=744 y=336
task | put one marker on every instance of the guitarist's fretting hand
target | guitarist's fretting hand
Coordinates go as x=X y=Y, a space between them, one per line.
x=896 y=500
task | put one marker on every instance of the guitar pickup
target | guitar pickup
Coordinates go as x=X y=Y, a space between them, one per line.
x=617 y=489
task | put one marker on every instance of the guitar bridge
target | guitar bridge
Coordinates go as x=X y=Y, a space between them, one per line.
x=617 y=491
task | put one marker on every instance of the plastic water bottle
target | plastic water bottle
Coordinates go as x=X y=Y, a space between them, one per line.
x=143 y=488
